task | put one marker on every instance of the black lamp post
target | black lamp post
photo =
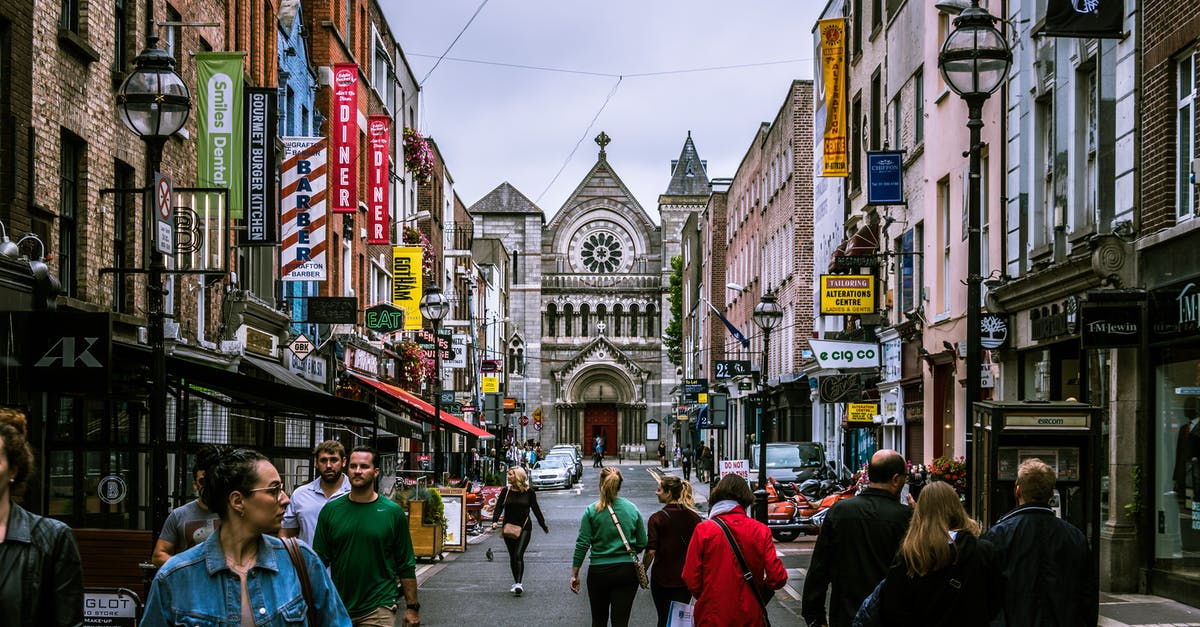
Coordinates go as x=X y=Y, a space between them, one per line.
x=768 y=316
x=154 y=103
x=434 y=307
x=974 y=61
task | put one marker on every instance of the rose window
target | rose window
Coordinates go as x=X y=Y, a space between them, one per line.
x=601 y=253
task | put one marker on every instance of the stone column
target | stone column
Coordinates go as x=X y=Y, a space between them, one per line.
x=1119 y=560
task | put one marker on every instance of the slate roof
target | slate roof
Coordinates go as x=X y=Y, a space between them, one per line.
x=505 y=199
x=689 y=176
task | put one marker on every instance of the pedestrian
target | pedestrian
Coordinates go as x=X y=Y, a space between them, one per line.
x=943 y=574
x=517 y=501
x=668 y=532
x=38 y=556
x=476 y=463
x=677 y=455
x=191 y=523
x=364 y=539
x=662 y=454
x=300 y=518
x=1045 y=560
x=732 y=568
x=243 y=574
x=706 y=461
x=687 y=464
x=598 y=454
x=613 y=531
x=857 y=543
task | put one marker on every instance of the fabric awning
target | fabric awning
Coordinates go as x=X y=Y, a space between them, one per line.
x=864 y=242
x=425 y=408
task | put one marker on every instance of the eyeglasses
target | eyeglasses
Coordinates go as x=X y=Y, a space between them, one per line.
x=275 y=490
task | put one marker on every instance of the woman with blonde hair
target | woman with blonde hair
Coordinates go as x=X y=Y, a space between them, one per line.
x=670 y=530
x=943 y=574
x=613 y=531
x=516 y=502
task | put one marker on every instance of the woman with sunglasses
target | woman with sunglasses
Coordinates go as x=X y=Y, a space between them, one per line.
x=211 y=583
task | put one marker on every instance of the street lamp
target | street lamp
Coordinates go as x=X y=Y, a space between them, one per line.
x=154 y=103
x=768 y=316
x=434 y=308
x=974 y=61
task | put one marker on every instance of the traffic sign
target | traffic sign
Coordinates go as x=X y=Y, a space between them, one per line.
x=537 y=426
x=524 y=420
x=164 y=220
x=301 y=347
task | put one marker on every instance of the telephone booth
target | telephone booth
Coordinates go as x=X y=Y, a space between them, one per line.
x=1061 y=433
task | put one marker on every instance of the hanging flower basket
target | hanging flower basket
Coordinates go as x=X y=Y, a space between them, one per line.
x=414 y=366
x=412 y=237
x=952 y=471
x=418 y=158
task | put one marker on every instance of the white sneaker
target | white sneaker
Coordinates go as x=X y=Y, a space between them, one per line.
x=517 y=589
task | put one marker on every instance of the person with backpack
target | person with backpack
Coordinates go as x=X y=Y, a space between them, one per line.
x=669 y=531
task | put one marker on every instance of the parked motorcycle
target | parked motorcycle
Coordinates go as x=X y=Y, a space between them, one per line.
x=789 y=513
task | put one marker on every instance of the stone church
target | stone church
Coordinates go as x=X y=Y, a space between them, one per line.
x=589 y=301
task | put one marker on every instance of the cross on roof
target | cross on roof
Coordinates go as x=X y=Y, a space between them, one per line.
x=603 y=140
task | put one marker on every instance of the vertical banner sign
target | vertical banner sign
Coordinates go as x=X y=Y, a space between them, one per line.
x=220 y=81
x=302 y=193
x=377 y=180
x=833 y=66
x=406 y=284
x=1084 y=18
x=343 y=139
x=260 y=167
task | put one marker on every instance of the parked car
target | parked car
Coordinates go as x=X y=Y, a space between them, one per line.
x=571 y=450
x=552 y=473
x=574 y=464
x=791 y=461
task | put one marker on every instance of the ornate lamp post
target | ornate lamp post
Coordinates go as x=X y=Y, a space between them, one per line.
x=434 y=308
x=768 y=316
x=974 y=61
x=154 y=103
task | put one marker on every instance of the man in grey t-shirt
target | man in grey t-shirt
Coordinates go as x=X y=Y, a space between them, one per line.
x=192 y=523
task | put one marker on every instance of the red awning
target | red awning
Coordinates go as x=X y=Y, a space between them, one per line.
x=865 y=241
x=425 y=409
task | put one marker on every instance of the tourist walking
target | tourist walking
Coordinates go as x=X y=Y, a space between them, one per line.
x=613 y=531
x=857 y=543
x=41 y=582
x=300 y=519
x=517 y=501
x=943 y=575
x=668 y=532
x=242 y=572
x=662 y=454
x=686 y=464
x=191 y=523
x=1045 y=560
x=731 y=567
x=677 y=455
x=598 y=454
x=364 y=539
x=706 y=461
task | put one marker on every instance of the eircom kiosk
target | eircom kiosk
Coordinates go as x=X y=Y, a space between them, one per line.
x=1064 y=434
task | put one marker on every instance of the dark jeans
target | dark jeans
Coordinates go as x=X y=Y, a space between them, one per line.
x=516 y=552
x=687 y=470
x=663 y=596
x=612 y=585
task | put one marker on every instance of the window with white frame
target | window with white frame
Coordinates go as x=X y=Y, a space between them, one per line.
x=944 y=214
x=1043 y=218
x=1185 y=135
x=382 y=74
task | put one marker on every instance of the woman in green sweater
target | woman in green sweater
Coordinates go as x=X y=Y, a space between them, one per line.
x=612 y=580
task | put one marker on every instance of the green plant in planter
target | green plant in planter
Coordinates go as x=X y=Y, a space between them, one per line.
x=432 y=512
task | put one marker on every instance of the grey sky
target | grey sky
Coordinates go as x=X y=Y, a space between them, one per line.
x=496 y=124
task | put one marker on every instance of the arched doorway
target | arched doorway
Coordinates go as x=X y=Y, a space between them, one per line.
x=601 y=399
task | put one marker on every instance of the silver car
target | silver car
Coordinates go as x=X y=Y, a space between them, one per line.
x=551 y=473
x=572 y=463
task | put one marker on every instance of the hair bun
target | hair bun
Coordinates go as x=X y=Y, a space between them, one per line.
x=15 y=418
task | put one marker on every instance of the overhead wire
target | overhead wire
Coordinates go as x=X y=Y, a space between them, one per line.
x=451 y=46
x=587 y=131
x=543 y=68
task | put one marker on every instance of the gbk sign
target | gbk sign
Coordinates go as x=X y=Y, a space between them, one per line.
x=70 y=351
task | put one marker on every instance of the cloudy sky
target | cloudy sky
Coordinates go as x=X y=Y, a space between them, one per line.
x=639 y=68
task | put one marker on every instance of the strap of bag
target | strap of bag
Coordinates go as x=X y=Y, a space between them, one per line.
x=297 y=556
x=622 y=532
x=747 y=576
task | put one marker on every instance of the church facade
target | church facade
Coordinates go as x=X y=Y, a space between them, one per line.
x=589 y=303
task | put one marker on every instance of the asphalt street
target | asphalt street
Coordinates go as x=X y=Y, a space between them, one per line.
x=466 y=588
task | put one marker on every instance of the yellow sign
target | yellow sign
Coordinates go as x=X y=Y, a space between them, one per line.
x=833 y=64
x=491 y=385
x=702 y=397
x=406 y=284
x=861 y=412
x=847 y=294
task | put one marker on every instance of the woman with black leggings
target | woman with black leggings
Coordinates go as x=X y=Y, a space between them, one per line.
x=517 y=501
x=612 y=580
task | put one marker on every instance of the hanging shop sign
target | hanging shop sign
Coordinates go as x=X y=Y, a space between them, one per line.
x=220 y=81
x=343 y=139
x=835 y=139
x=1049 y=322
x=302 y=193
x=847 y=294
x=993 y=331
x=841 y=388
x=1084 y=18
x=384 y=318
x=406 y=284
x=457 y=355
x=1110 y=326
x=378 y=180
x=693 y=388
x=332 y=309
x=835 y=354
x=490 y=385
x=861 y=412
x=260 y=125
x=70 y=351
x=885 y=177
x=731 y=368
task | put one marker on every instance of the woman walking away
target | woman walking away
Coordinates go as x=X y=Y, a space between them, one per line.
x=613 y=530
x=722 y=549
x=243 y=560
x=516 y=502
x=943 y=574
x=670 y=529
x=41 y=583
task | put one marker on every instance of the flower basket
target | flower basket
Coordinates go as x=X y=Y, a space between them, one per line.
x=418 y=158
x=415 y=367
x=412 y=237
x=952 y=471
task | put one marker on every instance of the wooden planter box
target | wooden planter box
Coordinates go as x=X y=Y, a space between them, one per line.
x=428 y=540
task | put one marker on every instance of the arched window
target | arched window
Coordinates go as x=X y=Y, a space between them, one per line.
x=618 y=312
x=551 y=320
x=651 y=321
x=601 y=314
x=585 y=322
x=633 y=321
x=568 y=314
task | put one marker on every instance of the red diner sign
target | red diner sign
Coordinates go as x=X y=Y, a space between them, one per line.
x=343 y=139
x=377 y=180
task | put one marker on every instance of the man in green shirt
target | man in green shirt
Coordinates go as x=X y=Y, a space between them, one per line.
x=364 y=540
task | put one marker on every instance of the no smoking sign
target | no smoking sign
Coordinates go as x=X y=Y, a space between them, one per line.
x=164 y=192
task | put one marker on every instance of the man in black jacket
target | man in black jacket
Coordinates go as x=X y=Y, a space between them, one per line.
x=1046 y=564
x=857 y=544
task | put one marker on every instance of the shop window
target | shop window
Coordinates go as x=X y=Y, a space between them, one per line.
x=1176 y=488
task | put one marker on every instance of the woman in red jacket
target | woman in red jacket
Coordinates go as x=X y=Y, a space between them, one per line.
x=712 y=572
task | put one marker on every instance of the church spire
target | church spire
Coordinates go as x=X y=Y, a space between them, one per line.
x=689 y=174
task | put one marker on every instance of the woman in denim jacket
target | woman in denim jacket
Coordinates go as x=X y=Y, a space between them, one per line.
x=209 y=584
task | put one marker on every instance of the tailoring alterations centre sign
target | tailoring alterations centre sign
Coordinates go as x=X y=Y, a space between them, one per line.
x=847 y=294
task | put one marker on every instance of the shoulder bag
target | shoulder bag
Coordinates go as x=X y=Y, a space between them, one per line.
x=510 y=530
x=747 y=576
x=643 y=580
x=297 y=555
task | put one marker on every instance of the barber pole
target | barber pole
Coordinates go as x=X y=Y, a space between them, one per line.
x=302 y=256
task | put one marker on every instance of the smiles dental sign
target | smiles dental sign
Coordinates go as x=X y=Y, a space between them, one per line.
x=219 y=149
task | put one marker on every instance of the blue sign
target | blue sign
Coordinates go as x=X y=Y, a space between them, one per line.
x=885 y=178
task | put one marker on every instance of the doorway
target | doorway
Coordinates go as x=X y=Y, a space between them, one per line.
x=600 y=421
